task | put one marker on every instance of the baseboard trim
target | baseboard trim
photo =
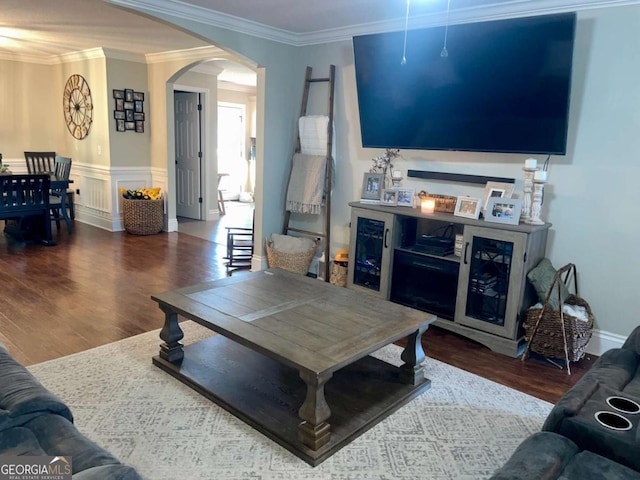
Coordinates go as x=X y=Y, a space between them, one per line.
x=602 y=341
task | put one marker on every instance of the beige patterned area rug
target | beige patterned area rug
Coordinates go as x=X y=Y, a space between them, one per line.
x=464 y=427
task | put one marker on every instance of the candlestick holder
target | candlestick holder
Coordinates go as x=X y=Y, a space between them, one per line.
x=525 y=215
x=395 y=181
x=536 y=206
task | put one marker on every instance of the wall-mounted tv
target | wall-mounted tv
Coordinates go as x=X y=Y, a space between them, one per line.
x=504 y=86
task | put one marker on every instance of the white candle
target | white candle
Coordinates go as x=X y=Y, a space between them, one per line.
x=540 y=175
x=428 y=205
x=396 y=174
x=530 y=163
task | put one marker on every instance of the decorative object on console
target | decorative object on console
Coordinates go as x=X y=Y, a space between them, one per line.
x=496 y=189
x=530 y=167
x=444 y=203
x=129 y=111
x=539 y=179
x=396 y=178
x=503 y=210
x=389 y=197
x=383 y=164
x=468 y=207
x=405 y=197
x=372 y=186
x=428 y=205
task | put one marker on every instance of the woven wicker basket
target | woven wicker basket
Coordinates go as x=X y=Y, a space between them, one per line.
x=142 y=217
x=293 y=262
x=549 y=341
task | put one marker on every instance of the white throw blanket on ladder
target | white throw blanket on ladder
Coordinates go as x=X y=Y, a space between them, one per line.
x=306 y=184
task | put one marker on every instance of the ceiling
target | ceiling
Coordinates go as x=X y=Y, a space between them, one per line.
x=44 y=30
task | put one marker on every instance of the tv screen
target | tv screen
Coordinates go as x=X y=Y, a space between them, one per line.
x=503 y=87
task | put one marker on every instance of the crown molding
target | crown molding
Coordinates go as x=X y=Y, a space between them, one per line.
x=209 y=17
x=514 y=8
x=197 y=53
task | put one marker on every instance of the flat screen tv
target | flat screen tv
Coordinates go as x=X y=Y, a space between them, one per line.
x=504 y=86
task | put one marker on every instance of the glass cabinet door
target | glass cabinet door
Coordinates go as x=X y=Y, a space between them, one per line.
x=369 y=258
x=491 y=288
x=369 y=248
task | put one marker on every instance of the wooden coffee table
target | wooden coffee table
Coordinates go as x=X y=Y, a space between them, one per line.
x=292 y=358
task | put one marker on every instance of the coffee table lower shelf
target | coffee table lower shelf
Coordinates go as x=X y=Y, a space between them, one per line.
x=267 y=395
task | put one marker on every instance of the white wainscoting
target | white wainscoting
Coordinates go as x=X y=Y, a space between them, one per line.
x=98 y=201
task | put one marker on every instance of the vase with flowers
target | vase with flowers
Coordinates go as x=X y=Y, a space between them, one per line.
x=384 y=164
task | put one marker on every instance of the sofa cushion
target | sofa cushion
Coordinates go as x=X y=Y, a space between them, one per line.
x=589 y=465
x=58 y=436
x=108 y=472
x=541 y=455
x=541 y=277
x=19 y=441
x=22 y=397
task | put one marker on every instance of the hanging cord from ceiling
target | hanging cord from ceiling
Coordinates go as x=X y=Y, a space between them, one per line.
x=406 y=25
x=444 y=52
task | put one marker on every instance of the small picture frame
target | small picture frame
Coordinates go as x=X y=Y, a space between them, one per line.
x=496 y=189
x=119 y=104
x=138 y=106
x=128 y=105
x=129 y=125
x=405 y=197
x=128 y=95
x=119 y=114
x=138 y=116
x=139 y=127
x=503 y=210
x=372 y=186
x=120 y=126
x=389 y=197
x=118 y=94
x=138 y=96
x=129 y=115
x=468 y=207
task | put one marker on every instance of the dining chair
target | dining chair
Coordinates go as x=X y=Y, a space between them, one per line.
x=61 y=171
x=40 y=162
x=44 y=162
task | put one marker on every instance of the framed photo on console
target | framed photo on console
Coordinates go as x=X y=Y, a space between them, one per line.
x=389 y=197
x=372 y=186
x=468 y=207
x=503 y=210
x=496 y=189
x=405 y=197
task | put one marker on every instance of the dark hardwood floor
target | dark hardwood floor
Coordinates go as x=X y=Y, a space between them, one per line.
x=94 y=288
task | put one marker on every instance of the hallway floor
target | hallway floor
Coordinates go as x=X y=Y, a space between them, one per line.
x=238 y=214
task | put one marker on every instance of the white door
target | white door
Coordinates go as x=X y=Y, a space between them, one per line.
x=188 y=155
x=231 y=157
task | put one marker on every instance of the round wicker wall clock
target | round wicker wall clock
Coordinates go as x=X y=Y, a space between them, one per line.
x=77 y=106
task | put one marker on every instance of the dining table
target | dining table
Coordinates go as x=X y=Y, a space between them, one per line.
x=20 y=230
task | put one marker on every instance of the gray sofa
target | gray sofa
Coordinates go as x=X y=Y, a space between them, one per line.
x=614 y=374
x=549 y=456
x=33 y=421
x=573 y=444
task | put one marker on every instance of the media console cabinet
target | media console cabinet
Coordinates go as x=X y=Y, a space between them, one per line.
x=397 y=253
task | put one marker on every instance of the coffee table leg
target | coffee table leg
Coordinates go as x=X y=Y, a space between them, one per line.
x=314 y=431
x=412 y=371
x=171 y=333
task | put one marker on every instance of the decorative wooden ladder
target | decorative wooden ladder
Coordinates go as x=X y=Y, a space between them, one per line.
x=326 y=210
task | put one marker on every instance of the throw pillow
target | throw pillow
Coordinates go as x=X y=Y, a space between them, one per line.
x=541 y=277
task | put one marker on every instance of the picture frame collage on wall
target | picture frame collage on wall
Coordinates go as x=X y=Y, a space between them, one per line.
x=129 y=110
